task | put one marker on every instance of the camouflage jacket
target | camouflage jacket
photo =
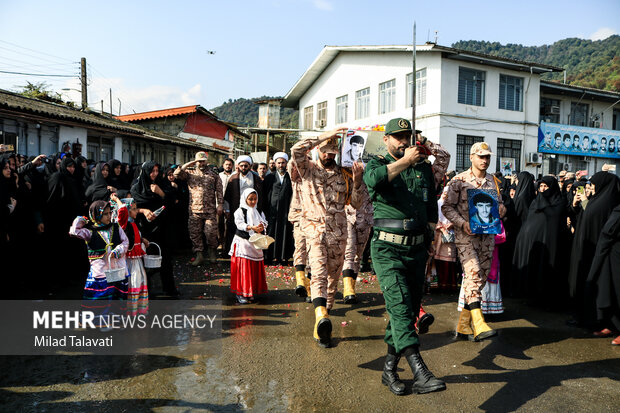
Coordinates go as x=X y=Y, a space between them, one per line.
x=205 y=189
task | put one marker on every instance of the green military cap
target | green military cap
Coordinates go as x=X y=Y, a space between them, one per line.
x=397 y=125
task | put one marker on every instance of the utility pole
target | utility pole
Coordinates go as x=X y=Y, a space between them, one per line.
x=83 y=81
x=413 y=91
x=110 y=101
x=119 y=106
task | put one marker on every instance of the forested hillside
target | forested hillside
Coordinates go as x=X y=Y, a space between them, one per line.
x=244 y=112
x=588 y=63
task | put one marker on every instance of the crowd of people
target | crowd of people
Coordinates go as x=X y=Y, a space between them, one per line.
x=553 y=240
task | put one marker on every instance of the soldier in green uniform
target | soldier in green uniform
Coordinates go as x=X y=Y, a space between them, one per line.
x=402 y=190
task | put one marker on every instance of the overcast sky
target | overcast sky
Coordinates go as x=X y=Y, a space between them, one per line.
x=155 y=54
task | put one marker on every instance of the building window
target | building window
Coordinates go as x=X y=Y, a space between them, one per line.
x=362 y=103
x=508 y=148
x=308 y=111
x=578 y=114
x=615 y=120
x=463 y=145
x=510 y=93
x=342 y=105
x=471 y=86
x=549 y=110
x=420 y=87
x=387 y=96
x=321 y=114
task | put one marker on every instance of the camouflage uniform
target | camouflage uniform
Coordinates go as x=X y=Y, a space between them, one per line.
x=359 y=224
x=325 y=193
x=475 y=251
x=205 y=193
x=300 y=255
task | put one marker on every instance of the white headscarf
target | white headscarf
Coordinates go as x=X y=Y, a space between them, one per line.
x=244 y=158
x=279 y=155
x=254 y=218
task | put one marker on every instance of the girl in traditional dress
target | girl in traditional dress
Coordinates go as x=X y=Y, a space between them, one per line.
x=138 y=295
x=106 y=242
x=247 y=269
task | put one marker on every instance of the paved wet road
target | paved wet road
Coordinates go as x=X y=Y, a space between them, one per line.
x=269 y=362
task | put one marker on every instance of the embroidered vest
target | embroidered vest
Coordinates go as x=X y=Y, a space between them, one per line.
x=97 y=245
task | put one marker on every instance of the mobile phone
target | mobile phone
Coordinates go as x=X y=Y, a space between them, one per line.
x=581 y=190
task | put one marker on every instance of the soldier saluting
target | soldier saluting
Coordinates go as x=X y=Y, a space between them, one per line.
x=402 y=189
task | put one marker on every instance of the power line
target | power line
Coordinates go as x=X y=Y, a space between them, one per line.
x=35 y=74
x=36 y=51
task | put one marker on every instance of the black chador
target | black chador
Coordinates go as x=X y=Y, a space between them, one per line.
x=279 y=192
x=589 y=227
x=541 y=250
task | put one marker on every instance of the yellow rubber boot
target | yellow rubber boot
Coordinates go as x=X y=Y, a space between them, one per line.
x=481 y=328
x=322 y=327
x=300 y=290
x=349 y=290
x=463 y=328
x=307 y=286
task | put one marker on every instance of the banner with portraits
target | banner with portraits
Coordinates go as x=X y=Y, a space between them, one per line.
x=578 y=140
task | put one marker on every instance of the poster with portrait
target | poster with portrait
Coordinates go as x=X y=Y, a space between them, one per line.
x=507 y=165
x=483 y=211
x=578 y=140
x=352 y=148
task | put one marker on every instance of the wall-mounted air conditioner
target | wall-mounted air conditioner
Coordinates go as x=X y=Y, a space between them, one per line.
x=534 y=158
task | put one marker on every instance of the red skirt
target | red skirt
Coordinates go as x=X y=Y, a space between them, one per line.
x=247 y=277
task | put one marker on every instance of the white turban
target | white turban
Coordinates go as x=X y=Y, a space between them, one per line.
x=278 y=155
x=244 y=158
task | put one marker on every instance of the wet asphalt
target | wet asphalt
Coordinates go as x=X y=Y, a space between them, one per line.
x=269 y=362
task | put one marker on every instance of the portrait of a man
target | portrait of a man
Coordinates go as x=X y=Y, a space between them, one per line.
x=611 y=146
x=353 y=147
x=483 y=212
x=585 y=144
x=576 y=142
x=557 y=141
x=603 y=147
x=568 y=143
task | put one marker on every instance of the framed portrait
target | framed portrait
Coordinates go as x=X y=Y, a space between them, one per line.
x=352 y=148
x=483 y=211
x=507 y=165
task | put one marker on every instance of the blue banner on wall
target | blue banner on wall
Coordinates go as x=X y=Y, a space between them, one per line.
x=578 y=140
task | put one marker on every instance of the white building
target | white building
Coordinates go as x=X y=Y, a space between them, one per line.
x=462 y=97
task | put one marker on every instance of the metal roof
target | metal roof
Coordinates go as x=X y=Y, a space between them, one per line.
x=154 y=114
x=329 y=53
x=578 y=91
x=15 y=102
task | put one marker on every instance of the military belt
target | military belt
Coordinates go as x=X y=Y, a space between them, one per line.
x=400 y=239
x=406 y=224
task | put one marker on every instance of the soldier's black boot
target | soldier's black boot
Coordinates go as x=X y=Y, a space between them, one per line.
x=390 y=376
x=423 y=380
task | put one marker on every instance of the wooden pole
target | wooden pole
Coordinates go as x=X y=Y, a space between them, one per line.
x=84 y=83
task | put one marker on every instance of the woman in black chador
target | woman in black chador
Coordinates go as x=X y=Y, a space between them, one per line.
x=152 y=192
x=604 y=278
x=526 y=192
x=539 y=264
x=590 y=224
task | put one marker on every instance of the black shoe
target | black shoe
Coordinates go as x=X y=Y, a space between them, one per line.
x=390 y=376
x=301 y=291
x=350 y=299
x=423 y=380
x=424 y=323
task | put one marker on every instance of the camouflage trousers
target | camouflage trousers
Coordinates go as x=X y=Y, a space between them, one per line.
x=357 y=237
x=300 y=255
x=476 y=255
x=326 y=243
x=199 y=223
